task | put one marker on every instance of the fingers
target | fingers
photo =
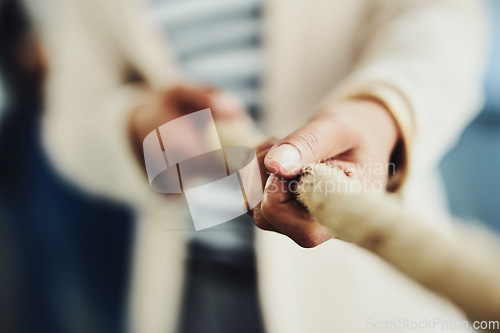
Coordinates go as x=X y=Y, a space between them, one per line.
x=280 y=211
x=188 y=99
x=260 y=221
x=261 y=152
x=227 y=106
x=322 y=138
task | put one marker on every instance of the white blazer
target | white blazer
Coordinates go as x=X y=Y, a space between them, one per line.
x=423 y=58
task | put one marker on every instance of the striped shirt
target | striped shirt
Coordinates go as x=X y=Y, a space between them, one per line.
x=217 y=42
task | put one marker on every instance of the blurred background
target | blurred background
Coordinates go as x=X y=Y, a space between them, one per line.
x=64 y=256
x=470 y=171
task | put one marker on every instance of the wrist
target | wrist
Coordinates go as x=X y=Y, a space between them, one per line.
x=381 y=121
x=372 y=120
x=397 y=106
x=376 y=136
x=390 y=135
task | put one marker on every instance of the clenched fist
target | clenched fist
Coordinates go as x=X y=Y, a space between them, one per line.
x=358 y=136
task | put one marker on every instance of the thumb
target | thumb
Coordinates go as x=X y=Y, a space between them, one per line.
x=317 y=141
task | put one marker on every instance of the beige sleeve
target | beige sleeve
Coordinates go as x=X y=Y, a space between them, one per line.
x=424 y=60
x=89 y=49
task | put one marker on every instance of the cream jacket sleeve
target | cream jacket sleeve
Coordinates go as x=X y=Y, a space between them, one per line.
x=90 y=45
x=424 y=60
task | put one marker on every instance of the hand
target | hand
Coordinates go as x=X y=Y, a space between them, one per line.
x=358 y=136
x=161 y=107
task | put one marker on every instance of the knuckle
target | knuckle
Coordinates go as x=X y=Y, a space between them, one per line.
x=306 y=244
x=259 y=222
x=308 y=240
x=175 y=90
x=309 y=141
x=263 y=225
x=257 y=216
x=266 y=210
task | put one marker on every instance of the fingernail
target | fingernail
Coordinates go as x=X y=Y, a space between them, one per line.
x=285 y=159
